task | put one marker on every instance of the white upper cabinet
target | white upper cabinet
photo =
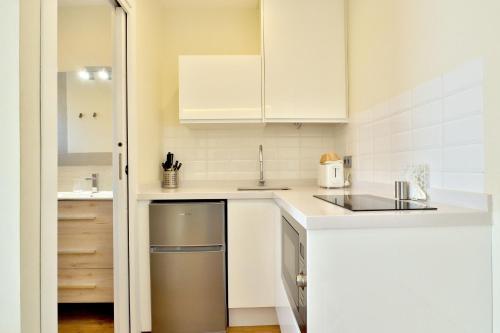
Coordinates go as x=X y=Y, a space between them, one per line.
x=225 y=88
x=300 y=75
x=304 y=43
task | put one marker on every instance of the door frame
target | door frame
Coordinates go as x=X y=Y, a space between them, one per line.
x=48 y=168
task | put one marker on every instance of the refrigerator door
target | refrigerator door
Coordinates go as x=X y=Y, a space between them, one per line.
x=186 y=224
x=188 y=292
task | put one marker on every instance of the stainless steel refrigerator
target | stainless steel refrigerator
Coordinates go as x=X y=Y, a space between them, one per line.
x=188 y=267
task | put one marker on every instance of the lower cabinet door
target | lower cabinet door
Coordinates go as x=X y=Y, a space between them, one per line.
x=85 y=285
x=188 y=292
x=251 y=252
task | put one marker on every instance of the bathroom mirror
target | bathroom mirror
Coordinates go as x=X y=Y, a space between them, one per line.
x=85 y=83
x=85 y=116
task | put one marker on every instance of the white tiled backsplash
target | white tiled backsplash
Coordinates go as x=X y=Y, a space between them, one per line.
x=230 y=152
x=67 y=175
x=438 y=123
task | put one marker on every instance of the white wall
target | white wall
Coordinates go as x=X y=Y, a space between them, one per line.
x=10 y=306
x=85 y=37
x=30 y=165
x=149 y=90
x=394 y=46
x=438 y=123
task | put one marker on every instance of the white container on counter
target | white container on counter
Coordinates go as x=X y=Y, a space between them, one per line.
x=331 y=174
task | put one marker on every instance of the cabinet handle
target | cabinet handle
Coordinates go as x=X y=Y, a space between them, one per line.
x=77 y=251
x=77 y=286
x=76 y=218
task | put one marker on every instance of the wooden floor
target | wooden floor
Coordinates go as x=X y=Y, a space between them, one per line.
x=85 y=318
x=98 y=318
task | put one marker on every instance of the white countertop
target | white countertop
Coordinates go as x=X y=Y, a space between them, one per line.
x=314 y=213
x=86 y=195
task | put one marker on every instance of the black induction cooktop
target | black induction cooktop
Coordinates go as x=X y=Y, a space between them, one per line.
x=369 y=203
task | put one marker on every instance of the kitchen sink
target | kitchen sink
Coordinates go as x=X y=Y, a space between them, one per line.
x=263 y=188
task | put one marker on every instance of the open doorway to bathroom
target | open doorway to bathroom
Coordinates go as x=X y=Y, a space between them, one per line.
x=92 y=164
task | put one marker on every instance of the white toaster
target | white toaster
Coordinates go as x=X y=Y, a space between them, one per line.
x=331 y=174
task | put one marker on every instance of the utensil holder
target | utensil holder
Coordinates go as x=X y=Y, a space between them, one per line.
x=170 y=179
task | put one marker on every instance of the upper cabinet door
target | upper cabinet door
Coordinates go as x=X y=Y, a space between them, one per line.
x=304 y=45
x=220 y=88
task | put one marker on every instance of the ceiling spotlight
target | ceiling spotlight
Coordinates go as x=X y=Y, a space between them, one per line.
x=103 y=74
x=84 y=74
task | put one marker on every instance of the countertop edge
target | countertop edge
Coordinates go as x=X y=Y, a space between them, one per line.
x=205 y=195
x=85 y=199
x=444 y=220
x=360 y=220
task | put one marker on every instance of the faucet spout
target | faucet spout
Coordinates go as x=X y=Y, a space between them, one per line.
x=93 y=178
x=261 y=163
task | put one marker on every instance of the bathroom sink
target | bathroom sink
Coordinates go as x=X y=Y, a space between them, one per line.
x=263 y=188
x=85 y=195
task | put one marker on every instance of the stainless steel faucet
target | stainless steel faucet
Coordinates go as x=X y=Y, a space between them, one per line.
x=261 y=162
x=93 y=178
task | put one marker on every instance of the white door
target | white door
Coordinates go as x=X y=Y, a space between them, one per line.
x=120 y=178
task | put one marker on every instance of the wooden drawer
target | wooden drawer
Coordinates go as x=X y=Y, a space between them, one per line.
x=85 y=285
x=86 y=210
x=85 y=234
x=85 y=250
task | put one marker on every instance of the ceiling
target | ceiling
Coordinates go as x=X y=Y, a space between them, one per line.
x=71 y=3
x=211 y=3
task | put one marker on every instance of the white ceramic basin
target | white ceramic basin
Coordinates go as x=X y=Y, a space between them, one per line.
x=101 y=195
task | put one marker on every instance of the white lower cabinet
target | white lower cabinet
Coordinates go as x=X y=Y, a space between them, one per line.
x=251 y=253
x=412 y=280
x=254 y=260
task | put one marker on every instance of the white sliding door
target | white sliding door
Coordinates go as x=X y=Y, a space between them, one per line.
x=120 y=177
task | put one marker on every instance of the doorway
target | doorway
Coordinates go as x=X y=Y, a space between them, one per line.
x=92 y=208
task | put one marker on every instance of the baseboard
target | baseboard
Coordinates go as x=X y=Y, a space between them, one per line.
x=252 y=317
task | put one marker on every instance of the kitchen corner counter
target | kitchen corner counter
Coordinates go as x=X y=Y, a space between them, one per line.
x=400 y=255
x=313 y=213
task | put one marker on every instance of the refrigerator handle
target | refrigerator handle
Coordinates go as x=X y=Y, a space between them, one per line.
x=185 y=249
